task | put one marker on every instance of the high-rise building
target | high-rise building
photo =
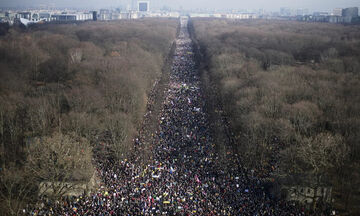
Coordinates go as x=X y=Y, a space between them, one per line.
x=144 y=6
x=94 y=15
x=105 y=14
x=350 y=12
x=337 y=12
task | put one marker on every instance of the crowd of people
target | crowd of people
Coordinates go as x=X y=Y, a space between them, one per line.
x=184 y=176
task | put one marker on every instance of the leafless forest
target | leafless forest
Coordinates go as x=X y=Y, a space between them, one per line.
x=65 y=87
x=290 y=92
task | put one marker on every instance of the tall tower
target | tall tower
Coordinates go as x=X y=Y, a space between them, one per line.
x=143 y=6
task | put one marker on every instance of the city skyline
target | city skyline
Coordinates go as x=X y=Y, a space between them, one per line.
x=321 y=5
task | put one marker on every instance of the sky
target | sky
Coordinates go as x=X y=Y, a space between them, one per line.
x=271 y=5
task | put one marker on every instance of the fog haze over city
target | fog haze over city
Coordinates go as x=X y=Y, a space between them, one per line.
x=189 y=4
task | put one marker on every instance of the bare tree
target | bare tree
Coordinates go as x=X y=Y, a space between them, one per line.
x=117 y=126
x=16 y=187
x=61 y=161
x=320 y=154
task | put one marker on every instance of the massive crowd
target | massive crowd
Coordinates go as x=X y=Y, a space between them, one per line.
x=184 y=176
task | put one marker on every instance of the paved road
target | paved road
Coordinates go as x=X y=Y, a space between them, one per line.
x=184 y=176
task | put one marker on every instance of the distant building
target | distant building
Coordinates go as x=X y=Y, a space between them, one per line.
x=24 y=15
x=25 y=22
x=72 y=17
x=63 y=17
x=143 y=6
x=340 y=19
x=94 y=15
x=199 y=15
x=285 y=11
x=133 y=15
x=302 y=12
x=125 y=15
x=163 y=14
x=84 y=16
x=320 y=13
x=10 y=15
x=240 y=16
x=45 y=16
x=105 y=14
x=173 y=14
x=215 y=15
x=350 y=12
x=337 y=12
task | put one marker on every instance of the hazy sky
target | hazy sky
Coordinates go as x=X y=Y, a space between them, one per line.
x=273 y=5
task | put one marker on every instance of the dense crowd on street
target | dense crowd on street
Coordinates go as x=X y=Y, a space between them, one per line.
x=184 y=176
